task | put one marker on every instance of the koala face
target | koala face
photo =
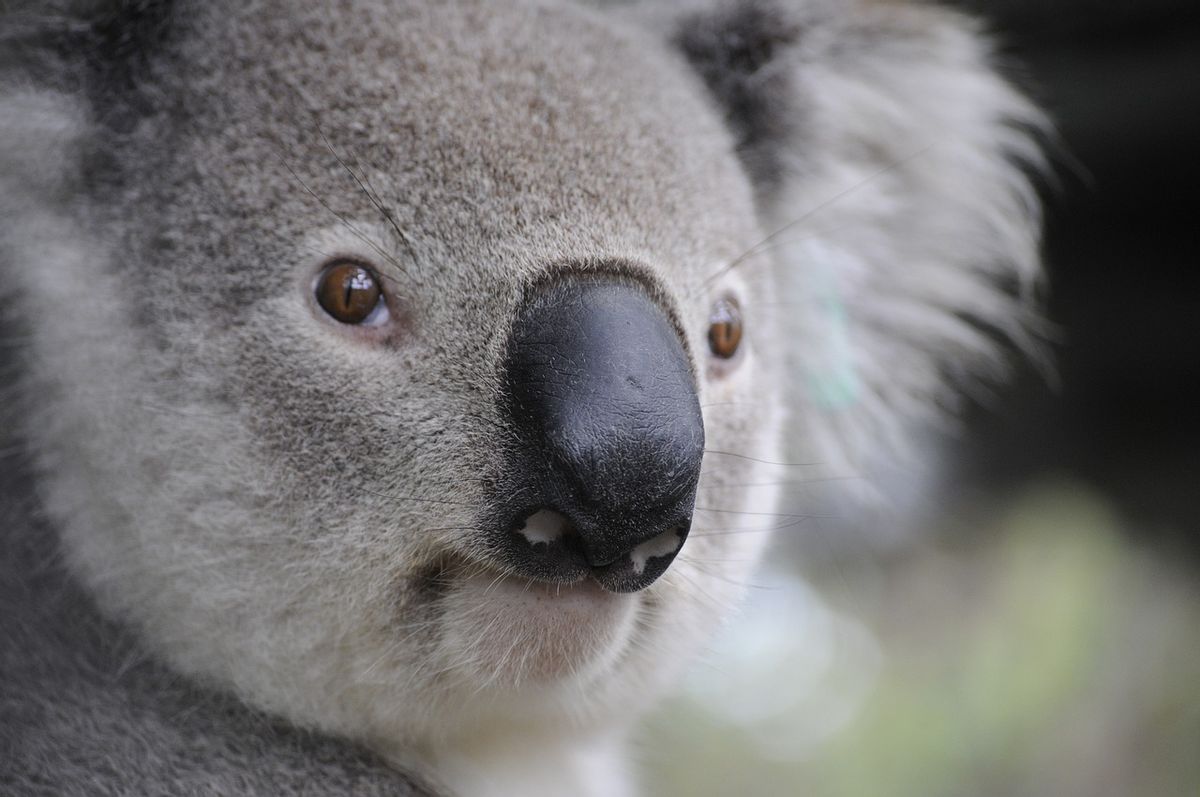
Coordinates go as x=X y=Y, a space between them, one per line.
x=415 y=370
x=405 y=359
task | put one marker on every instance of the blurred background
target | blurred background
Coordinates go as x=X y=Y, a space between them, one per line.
x=1038 y=631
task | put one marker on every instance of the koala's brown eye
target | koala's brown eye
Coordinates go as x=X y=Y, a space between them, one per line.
x=724 y=328
x=348 y=292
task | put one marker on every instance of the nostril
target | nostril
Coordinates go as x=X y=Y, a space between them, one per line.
x=549 y=545
x=543 y=527
x=640 y=566
x=665 y=544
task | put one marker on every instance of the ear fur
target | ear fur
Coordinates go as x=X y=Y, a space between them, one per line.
x=98 y=46
x=891 y=162
x=738 y=50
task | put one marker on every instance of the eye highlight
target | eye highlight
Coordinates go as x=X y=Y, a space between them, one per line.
x=350 y=293
x=724 y=328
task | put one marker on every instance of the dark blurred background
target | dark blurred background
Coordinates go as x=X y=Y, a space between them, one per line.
x=1121 y=80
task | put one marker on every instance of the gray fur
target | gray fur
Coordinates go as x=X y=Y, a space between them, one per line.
x=736 y=49
x=86 y=713
x=270 y=512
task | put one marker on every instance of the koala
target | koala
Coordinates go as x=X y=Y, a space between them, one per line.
x=389 y=385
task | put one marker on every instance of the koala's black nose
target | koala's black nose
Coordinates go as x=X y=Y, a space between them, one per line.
x=609 y=440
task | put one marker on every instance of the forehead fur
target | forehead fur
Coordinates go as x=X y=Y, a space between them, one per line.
x=542 y=128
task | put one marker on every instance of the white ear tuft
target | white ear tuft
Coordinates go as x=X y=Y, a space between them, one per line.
x=40 y=146
x=906 y=228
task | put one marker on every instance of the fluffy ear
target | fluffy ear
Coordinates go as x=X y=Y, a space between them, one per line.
x=890 y=160
x=80 y=45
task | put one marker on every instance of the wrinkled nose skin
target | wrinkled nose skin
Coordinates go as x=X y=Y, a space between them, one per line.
x=602 y=474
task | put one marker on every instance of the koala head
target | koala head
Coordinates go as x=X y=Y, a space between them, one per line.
x=412 y=369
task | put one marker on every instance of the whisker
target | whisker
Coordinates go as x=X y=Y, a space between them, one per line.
x=781 y=483
x=705 y=567
x=760 y=514
x=370 y=194
x=694 y=584
x=729 y=532
x=354 y=230
x=737 y=404
x=807 y=216
x=762 y=461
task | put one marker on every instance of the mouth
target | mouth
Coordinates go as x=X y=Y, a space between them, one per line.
x=507 y=629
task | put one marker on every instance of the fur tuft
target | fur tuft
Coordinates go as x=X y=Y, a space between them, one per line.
x=736 y=51
x=899 y=206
